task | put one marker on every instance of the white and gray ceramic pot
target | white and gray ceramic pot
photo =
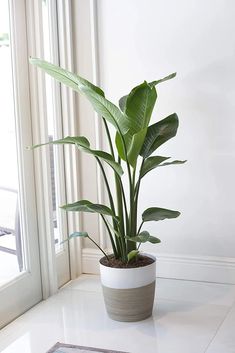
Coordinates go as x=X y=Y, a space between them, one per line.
x=129 y=292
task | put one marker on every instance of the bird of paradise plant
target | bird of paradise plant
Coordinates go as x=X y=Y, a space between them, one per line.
x=135 y=142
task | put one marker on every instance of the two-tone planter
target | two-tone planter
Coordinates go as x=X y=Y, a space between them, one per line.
x=129 y=292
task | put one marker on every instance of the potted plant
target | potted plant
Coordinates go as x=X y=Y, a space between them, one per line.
x=128 y=277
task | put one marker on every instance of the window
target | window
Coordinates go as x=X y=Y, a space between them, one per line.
x=19 y=252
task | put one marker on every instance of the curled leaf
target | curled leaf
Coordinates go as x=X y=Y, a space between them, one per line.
x=132 y=254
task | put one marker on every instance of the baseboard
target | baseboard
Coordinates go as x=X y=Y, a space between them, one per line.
x=193 y=268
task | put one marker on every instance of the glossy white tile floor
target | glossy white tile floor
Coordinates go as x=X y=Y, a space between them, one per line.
x=189 y=317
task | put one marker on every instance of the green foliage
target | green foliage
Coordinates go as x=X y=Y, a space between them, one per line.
x=94 y=94
x=132 y=254
x=87 y=206
x=78 y=234
x=159 y=133
x=83 y=144
x=151 y=163
x=154 y=162
x=135 y=140
x=158 y=214
x=137 y=107
x=169 y=77
x=144 y=237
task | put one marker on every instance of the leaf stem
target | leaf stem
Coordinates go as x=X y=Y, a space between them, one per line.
x=110 y=199
x=124 y=202
x=119 y=197
x=134 y=216
x=107 y=185
x=109 y=137
x=140 y=227
x=130 y=183
x=93 y=241
x=136 y=196
x=110 y=236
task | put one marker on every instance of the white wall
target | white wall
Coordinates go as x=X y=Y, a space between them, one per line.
x=145 y=40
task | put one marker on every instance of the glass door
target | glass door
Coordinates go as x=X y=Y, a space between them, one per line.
x=20 y=280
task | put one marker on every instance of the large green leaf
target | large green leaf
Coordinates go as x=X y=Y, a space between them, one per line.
x=133 y=143
x=154 y=162
x=93 y=93
x=106 y=109
x=78 y=140
x=83 y=144
x=144 y=237
x=135 y=146
x=151 y=163
x=120 y=147
x=64 y=76
x=108 y=158
x=137 y=108
x=159 y=133
x=87 y=206
x=122 y=101
x=158 y=214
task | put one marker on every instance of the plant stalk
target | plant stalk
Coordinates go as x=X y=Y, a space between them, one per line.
x=132 y=221
x=93 y=241
x=110 y=200
x=109 y=137
x=125 y=205
x=110 y=236
x=107 y=185
x=136 y=196
x=119 y=198
x=140 y=227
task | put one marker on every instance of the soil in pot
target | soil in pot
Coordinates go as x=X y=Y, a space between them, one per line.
x=139 y=261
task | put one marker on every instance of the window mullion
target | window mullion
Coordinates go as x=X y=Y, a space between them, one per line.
x=70 y=127
x=42 y=158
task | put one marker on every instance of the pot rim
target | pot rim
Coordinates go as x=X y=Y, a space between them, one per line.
x=131 y=268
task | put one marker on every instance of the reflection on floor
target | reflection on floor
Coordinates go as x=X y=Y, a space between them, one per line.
x=189 y=317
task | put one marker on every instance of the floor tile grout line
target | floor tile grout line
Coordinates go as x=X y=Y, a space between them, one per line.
x=99 y=290
x=174 y=279
x=171 y=278
x=197 y=281
x=218 y=328
x=156 y=298
x=82 y=290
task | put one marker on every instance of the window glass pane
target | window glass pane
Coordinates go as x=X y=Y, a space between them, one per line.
x=11 y=259
x=53 y=125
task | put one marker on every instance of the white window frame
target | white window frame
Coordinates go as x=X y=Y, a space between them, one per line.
x=24 y=291
x=54 y=267
x=70 y=127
